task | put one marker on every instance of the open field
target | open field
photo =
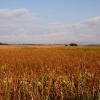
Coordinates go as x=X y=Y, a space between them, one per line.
x=49 y=72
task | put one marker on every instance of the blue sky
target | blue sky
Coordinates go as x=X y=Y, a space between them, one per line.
x=50 y=21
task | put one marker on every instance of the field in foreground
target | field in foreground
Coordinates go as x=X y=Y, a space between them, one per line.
x=49 y=73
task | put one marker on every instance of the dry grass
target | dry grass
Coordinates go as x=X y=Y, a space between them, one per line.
x=49 y=73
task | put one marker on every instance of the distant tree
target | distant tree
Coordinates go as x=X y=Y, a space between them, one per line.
x=73 y=44
x=66 y=44
x=1 y=43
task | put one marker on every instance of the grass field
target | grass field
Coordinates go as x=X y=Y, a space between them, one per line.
x=49 y=72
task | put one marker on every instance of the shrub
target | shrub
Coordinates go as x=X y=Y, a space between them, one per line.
x=1 y=43
x=73 y=44
x=66 y=45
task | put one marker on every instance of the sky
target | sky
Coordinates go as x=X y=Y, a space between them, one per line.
x=50 y=21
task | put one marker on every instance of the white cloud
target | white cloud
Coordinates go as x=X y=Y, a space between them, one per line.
x=19 y=25
x=6 y=13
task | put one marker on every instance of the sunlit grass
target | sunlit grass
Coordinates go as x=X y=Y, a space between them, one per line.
x=58 y=73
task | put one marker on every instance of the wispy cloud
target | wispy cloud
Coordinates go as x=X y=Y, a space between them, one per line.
x=20 y=25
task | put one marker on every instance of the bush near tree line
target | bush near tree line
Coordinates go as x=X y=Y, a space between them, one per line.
x=3 y=43
x=71 y=44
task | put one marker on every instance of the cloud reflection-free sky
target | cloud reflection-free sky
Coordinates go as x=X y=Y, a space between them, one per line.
x=50 y=21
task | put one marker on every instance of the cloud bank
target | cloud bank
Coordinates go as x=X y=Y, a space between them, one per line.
x=21 y=26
